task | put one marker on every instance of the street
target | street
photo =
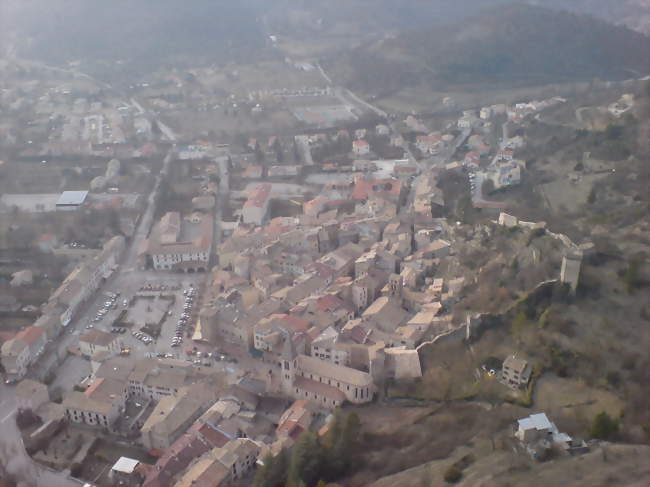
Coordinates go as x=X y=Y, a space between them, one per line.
x=12 y=452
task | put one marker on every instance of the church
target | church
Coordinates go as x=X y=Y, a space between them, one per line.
x=324 y=383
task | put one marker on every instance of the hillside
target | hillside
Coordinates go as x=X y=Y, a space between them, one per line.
x=589 y=351
x=220 y=31
x=146 y=31
x=620 y=465
x=633 y=13
x=516 y=45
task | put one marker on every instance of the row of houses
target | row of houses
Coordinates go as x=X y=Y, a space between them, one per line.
x=79 y=286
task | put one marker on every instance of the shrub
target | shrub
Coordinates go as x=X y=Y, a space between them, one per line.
x=604 y=427
x=614 y=378
x=26 y=418
x=453 y=474
x=629 y=362
x=76 y=469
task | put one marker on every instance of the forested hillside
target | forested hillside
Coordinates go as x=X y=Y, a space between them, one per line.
x=516 y=45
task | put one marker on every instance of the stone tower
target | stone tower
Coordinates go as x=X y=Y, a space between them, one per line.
x=395 y=285
x=288 y=364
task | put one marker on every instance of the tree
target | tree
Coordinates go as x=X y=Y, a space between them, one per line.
x=296 y=151
x=518 y=324
x=340 y=442
x=453 y=474
x=259 y=155
x=631 y=275
x=604 y=427
x=487 y=187
x=591 y=199
x=279 y=153
x=306 y=463
x=274 y=471
x=614 y=378
x=76 y=469
x=114 y=222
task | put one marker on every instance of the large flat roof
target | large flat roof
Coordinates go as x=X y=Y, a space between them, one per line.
x=72 y=198
x=125 y=465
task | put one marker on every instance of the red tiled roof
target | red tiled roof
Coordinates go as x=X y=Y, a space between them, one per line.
x=176 y=459
x=359 y=334
x=322 y=270
x=30 y=334
x=329 y=302
x=46 y=237
x=258 y=196
x=293 y=322
x=213 y=435
x=292 y=428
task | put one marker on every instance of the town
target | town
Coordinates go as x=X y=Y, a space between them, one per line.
x=185 y=304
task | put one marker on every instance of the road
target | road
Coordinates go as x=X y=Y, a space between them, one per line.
x=12 y=452
x=57 y=351
x=341 y=93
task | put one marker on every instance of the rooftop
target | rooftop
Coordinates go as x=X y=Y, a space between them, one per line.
x=258 y=196
x=515 y=364
x=72 y=198
x=330 y=370
x=535 y=421
x=319 y=388
x=125 y=465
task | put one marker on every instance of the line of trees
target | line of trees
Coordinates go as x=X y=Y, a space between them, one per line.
x=314 y=460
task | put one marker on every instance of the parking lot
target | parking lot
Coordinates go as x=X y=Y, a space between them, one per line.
x=120 y=302
x=173 y=308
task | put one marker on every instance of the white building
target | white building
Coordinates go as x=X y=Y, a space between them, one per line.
x=82 y=282
x=15 y=358
x=171 y=248
x=324 y=347
x=538 y=435
x=360 y=147
x=71 y=200
x=100 y=405
x=99 y=341
x=486 y=113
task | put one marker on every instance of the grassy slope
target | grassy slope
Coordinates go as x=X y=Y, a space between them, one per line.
x=621 y=465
